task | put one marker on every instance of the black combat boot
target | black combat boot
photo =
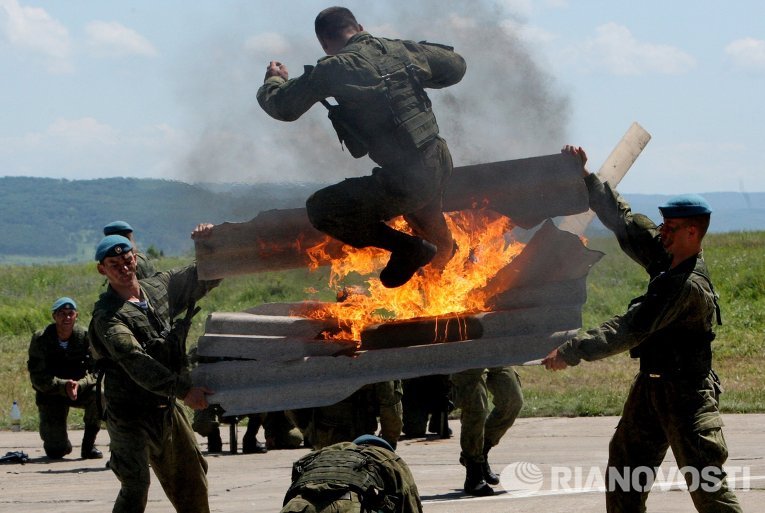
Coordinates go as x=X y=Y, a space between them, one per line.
x=214 y=442
x=488 y=475
x=475 y=484
x=405 y=262
x=56 y=453
x=89 y=450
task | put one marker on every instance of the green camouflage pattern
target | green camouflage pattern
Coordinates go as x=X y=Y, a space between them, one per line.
x=662 y=410
x=399 y=492
x=481 y=428
x=145 y=424
x=357 y=415
x=410 y=181
x=50 y=368
x=144 y=268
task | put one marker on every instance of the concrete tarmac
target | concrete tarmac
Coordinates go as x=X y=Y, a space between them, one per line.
x=548 y=464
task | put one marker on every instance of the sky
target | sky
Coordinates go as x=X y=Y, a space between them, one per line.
x=167 y=89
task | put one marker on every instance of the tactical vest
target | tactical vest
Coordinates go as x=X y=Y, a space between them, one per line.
x=120 y=386
x=413 y=123
x=676 y=352
x=347 y=468
x=71 y=363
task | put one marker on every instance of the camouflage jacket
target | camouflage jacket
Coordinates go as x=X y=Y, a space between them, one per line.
x=679 y=308
x=315 y=478
x=134 y=344
x=354 y=82
x=143 y=266
x=51 y=366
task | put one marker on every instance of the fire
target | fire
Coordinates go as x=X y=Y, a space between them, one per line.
x=482 y=251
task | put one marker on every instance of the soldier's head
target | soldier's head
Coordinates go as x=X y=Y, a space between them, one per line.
x=686 y=221
x=64 y=311
x=119 y=228
x=374 y=440
x=116 y=260
x=334 y=26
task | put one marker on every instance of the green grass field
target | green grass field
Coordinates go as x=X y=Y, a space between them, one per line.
x=736 y=261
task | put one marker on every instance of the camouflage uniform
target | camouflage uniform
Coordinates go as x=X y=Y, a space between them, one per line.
x=357 y=415
x=280 y=432
x=143 y=266
x=50 y=368
x=144 y=374
x=350 y=478
x=412 y=176
x=482 y=429
x=673 y=401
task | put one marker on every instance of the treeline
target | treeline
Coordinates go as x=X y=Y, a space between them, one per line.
x=59 y=220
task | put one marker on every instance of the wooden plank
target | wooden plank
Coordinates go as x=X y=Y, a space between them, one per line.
x=242 y=323
x=243 y=387
x=265 y=348
x=617 y=164
x=551 y=256
x=526 y=190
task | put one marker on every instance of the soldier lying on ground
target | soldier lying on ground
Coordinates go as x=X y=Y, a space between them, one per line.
x=363 y=475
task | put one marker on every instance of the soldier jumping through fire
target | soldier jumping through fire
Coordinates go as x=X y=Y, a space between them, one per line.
x=382 y=110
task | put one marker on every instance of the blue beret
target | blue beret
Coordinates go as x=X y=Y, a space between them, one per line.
x=685 y=205
x=373 y=440
x=62 y=302
x=117 y=227
x=112 y=245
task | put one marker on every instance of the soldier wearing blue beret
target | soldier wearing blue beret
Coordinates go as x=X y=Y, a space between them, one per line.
x=673 y=402
x=351 y=477
x=144 y=266
x=63 y=377
x=138 y=335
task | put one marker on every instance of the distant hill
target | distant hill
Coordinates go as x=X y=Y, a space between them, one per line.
x=44 y=219
x=47 y=220
x=732 y=211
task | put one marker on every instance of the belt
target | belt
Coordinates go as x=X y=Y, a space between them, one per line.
x=673 y=375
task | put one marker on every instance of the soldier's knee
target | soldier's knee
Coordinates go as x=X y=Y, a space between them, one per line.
x=57 y=451
x=317 y=211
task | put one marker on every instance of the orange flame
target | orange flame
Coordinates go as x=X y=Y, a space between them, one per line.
x=482 y=251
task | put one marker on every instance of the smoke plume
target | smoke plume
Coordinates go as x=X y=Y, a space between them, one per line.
x=506 y=107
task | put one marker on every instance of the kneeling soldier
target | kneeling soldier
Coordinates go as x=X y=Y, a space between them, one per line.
x=61 y=371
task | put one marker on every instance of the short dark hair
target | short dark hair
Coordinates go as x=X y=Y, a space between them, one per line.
x=701 y=222
x=333 y=21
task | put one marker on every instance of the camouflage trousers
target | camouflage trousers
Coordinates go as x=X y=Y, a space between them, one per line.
x=54 y=410
x=661 y=413
x=482 y=428
x=280 y=432
x=163 y=438
x=357 y=415
x=352 y=210
x=348 y=502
